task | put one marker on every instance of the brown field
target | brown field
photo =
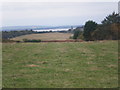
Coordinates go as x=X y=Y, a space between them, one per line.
x=45 y=36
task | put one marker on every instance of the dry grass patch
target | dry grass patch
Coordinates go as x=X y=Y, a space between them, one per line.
x=45 y=36
x=112 y=66
x=90 y=62
x=95 y=68
x=42 y=62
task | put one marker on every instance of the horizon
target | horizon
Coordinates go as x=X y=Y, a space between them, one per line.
x=54 y=13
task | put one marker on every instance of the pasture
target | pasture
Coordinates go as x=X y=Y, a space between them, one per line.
x=45 y=36
x=60 y=65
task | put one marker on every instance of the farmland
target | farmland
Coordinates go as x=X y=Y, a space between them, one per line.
x=45 y=36
x=60 y=65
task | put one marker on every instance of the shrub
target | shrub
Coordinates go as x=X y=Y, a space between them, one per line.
x=89 y=28
x=77 y=33
x=31 y=40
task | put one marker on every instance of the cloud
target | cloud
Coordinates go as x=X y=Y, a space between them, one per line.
x=59 y=13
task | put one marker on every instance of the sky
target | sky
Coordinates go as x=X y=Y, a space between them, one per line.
x=55 y=13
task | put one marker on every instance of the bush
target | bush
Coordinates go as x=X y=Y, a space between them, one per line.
x=71 y=37
x=81 y=36
x=31 y=40
x=107 y=32
x=77 y=33
x=89 y=28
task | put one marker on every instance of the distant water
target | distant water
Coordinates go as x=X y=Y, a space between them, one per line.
x=59 y=29
x=38 y=28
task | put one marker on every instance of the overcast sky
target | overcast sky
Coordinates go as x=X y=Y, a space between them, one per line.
x=52 y=14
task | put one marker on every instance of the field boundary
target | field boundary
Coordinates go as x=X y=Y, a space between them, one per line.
x=62 y=41
x=14 y=41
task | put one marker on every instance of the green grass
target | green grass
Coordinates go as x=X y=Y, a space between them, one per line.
x=60 y=65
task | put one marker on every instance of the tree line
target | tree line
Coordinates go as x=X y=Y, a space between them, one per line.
x=12 y=34
x=107 y=30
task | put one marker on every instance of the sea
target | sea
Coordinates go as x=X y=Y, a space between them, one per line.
x=39 y=28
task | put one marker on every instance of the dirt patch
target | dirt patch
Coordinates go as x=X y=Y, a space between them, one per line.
x=32 y=65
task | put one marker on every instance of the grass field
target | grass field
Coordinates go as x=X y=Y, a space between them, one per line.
x=45 y=36
x=60 y=65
